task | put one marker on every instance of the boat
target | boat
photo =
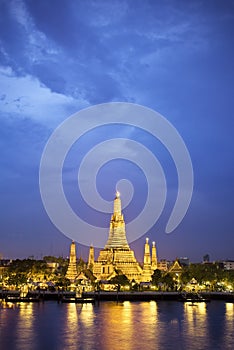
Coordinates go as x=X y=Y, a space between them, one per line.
x=193 y=298
x=78 y=300
x=15 y=299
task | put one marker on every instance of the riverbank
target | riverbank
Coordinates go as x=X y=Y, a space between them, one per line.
x=148 y=296
x=59 y=296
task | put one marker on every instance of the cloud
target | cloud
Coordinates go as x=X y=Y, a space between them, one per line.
x=26 y=97
x=78 y=50
x=57 y=57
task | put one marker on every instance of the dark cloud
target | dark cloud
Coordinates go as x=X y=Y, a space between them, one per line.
x=178 y=58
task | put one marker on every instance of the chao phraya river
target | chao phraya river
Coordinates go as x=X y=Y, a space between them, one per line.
x=110 y=326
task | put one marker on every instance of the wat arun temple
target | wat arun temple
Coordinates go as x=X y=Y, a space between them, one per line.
x=117 y=257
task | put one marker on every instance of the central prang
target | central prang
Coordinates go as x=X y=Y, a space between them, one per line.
x=118 y=256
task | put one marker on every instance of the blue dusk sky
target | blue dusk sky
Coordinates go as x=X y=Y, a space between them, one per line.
x=175 y=57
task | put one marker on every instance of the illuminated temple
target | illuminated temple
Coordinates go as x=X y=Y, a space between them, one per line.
x=117 y=257
x=72 y=271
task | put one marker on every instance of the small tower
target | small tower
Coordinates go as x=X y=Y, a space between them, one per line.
x=147 y=258
x=154 y=263
x=91 y=258
x=72 y=270
x=147 y=272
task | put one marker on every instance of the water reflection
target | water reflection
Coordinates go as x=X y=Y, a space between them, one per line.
x=195 y=324
x=149 y=313
x=71 y=326
x=111 y=326
x=88 y=328
x=7 y=305
x=128 y=325
x=87 y=315
x=229 y=329
x=230 y=311
x=117 y=325
x=148 y=317
x=24 y=331
x=79 y=330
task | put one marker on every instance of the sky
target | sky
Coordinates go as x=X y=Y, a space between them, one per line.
x=174 y=57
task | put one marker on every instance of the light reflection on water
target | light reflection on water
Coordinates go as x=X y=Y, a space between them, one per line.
x=71 y=326
x=110 y=326
x=24 y=328
x=195 y=323
x=229 y=330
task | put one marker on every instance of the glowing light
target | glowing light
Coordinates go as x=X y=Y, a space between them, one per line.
x=24 y=331
x=230 y=310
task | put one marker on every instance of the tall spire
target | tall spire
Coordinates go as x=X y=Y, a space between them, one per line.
x=117 y=204
x=146 y=275
x=72 y=271
x=91 y=258
x=117 y=235
x=147 y=258
x=154 y=257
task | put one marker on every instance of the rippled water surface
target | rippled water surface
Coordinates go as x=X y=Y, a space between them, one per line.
x=127 y=325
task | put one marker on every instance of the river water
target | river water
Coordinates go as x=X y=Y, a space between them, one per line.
x=109 y=326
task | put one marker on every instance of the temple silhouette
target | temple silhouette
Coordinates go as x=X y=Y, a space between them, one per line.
x=117 y=257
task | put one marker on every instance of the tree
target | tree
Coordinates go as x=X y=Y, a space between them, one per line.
x=156 y=277
x=168 y=281
x=16 y=279
x=185 y=276
x=63 y=282
x=120 y=279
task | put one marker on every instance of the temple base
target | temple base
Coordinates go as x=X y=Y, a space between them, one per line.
x=112 y=261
